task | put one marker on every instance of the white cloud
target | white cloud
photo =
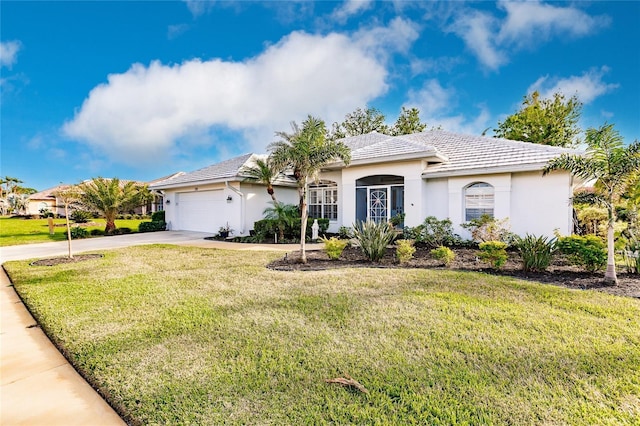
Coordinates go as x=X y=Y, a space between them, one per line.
x=526 y=24
x=199 y=7
x=173 y=31
x=350 y=8
x=586 y=87
x=532 y=22
x=9 y=53
x=436 y=104
x=148 y=111
x=477 y=29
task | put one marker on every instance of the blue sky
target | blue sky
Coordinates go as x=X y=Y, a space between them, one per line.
x=139 y=90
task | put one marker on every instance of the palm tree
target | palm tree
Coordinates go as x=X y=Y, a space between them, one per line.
x=109 y=197
x=263 y=172
x=282 y=214
x=305 y=152
x=613 y=166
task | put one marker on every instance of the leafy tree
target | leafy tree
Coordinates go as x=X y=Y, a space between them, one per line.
x=360 y=122
x=282 y=214
x=305 y=152
x=110 y=197
x=544 y=121
x=265 y=173
x=613 y=166
x=408 y=122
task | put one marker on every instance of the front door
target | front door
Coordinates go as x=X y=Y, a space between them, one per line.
x=379 y=204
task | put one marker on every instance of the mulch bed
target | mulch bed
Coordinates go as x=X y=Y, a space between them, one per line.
x=560 y=273
x=61 y=260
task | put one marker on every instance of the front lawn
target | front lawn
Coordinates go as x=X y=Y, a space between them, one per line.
x=14 y=231
x=182 y=335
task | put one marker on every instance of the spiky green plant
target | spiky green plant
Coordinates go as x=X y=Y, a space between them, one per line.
x=536 y=252
x=373 y=238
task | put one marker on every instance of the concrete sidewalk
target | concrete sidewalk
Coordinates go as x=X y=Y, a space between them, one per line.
x=38 y=385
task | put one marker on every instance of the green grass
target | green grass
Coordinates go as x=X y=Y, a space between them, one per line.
x=14 y=231
x=181 y=335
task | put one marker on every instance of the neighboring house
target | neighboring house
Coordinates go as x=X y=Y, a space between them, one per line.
x=433 y=173
x=46 y=200
x=219 y=195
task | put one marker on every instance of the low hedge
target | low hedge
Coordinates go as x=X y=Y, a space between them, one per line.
x=152 y=226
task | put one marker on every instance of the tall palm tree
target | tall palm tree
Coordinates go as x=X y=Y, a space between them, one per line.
x=305 y=152
x=265 y=173
x=613 y=166
x=109 y=197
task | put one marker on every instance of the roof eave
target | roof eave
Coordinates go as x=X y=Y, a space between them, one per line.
x=529 y=167
x=169 y=185
x=427 y=155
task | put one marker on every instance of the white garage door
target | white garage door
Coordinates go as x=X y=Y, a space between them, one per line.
x=201 y=211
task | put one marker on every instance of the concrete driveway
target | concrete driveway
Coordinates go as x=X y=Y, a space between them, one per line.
x=60 y=248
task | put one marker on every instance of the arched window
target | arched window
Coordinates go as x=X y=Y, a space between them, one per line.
x=478 y=200
x=323 y=200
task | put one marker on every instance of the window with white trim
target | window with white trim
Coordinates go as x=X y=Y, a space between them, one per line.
x=323 y=200
x=478 y=200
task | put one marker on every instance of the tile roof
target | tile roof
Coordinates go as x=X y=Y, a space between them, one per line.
x=228 y=169
x=461 y=153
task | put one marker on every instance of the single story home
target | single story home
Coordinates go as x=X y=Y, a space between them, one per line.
x=433 y=173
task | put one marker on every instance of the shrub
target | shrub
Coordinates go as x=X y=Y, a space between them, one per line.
x=587 y=251
x=78 y=233
x=536 y=252
x=405 y=250
x=80 y=216
x=494 y=253
x=373 y=238
x=397 y=220
x=334 y=247
x=158 y=216
x=487 y=228
x=433 y=232
x=345 y=232
x=96 y=232
x=152 y=226
x=444 y=254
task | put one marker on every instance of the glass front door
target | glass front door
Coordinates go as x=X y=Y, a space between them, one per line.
x=378 y=204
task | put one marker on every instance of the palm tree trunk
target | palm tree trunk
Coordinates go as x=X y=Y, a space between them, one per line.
x=303 y=223
x=610 y=274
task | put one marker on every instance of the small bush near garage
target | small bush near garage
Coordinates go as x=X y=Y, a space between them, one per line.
x=157 y=223
x=152 y=226
x=158 y=216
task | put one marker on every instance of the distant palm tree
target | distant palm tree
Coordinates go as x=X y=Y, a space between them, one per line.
x=306 y=151
x=109 y=197
x=613 y=166
x=265 y=173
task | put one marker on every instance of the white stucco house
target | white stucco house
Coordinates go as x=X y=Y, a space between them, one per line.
x=433 y=173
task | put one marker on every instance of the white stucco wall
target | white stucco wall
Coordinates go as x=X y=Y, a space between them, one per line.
x=257 y=199
x=247 y=203
x=541 y=204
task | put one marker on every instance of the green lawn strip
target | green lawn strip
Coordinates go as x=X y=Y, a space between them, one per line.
x=14 y=231
x=188 y=335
